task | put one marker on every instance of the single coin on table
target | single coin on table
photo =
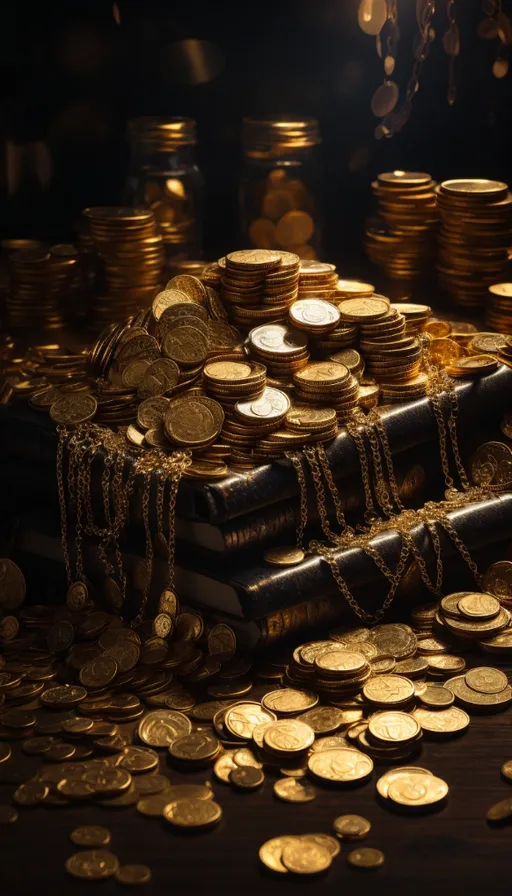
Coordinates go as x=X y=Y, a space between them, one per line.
x=351 y=827
x=366 y=858
x=305 y=857
x=133 y=875
x=292 y=790
x=90 y=835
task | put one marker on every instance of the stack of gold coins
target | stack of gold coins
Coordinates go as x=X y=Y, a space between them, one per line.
x=281 y=348
x=316 y=316
x=232 y=381
x=317 y=280
x=327 y=384
x=352 y=360
x=391 y=362
x=498 y=309
x=416 y=316
x=332 y=671
x=353 y=289
x=253 y=420
x=476 y=232
x=505 y=352
x=258 y=285
x=9 y=247
x=311 y=423
x=412 y=389
x=132 y=257
x=44 y=284
x=343 y=336
x=403 y=240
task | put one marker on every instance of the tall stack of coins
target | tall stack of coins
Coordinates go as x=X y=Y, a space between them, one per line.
x=403 y=240
x=317 y=280
x=498 y=307
x=281 y=348
x=327 y=384
x=475 y=235
x=259 y=285
x=44 y=284
x=416 y=316
x=131 y=254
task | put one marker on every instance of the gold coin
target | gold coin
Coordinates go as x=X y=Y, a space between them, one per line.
x=323 y=719
x=343 y=661
x=492 y=465
x=107 y=781
x=190 y=286
x=394 y=639
x=486 y=680
x=246 y=777
x=354 y=288
x=92 y=864
x=151 y=412
x=340 y=766
x=365 y=309
x=31 y=793
x=153 y=806
x=366 y=858
x=92 y=835
x=286 y=701
x=388 y=690
x=469 y=697
x=390 y=776
x=270 y=853
x=222 y=642
x=193 y=421
x=253 y=259
x=242 y=718
x=194 y=747
x=442 y=721
x=133 y=875
x=278 y=339
x=161 y=727
x=437 y=697
x=288 y=736
x=351 y=827
x=224 y=765
x=417 y=790
x=99 y=672
x=501 y=811
x=498 y=580
x=76 y=790
x=149 y=785
x=292 y=790
x=506 y=770
x=479 y=606
x=166 y=299
x=245 y=756
x=159 y=377
x=138 y=760
x=193 y=813
x=8 y=815
x=284 y=556
x=393 y=727
x=294 y=227
x=314 y=314
x=71 y=410
x=305 y=857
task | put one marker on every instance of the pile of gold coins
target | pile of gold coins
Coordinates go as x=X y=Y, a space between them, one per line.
x=498 y=307
x=103 y=705
x=131 y=255
x=44 y=285
x=476 y=216
x=259 y=285
x=403 y=239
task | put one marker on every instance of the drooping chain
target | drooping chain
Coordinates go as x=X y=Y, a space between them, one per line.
x=303 y=501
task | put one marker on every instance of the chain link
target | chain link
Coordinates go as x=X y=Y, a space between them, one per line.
x=303 y=506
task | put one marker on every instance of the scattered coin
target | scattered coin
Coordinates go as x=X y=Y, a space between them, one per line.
x=90 y=835
x=305 y=857
x=365 y=858
x=351 y=827
x=133 y=875
x=92 y=864
x=292 y=790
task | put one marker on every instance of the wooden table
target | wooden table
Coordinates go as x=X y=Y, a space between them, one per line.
x=449 y=851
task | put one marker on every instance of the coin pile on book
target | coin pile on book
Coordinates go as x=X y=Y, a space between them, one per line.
x=402 y=241
x=476 y=216
x=131 y=255
x=258 y=284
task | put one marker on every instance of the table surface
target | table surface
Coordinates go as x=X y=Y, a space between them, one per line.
x=449 y=849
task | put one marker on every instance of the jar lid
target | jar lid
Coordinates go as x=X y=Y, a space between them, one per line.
x=276 y=134
x=162 y=134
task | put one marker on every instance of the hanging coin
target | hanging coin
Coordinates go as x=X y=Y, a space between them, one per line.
x=385 y=99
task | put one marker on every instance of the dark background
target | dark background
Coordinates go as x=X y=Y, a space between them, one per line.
x=70 y=77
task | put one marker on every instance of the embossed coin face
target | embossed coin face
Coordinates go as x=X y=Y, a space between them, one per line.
x=437 y=697
x=314 y=313
x=190 y=286
x=270 y=853
x=77 y=596
x=222 y=642
x=492 y=465
x=193 y=813
x=166 y=299
x=227 y=371
x=365 y=309
x=288 y=736
x=292 y=790
x=345 y=661
x=278 y=339
x=443 y=721
x=286 y=701
x=92 y=864
x=73 y=409
x=194 y=747
x=193 y=421
x=388 y=690
x=498 y=580
x=386 y=779
x=99 y=672
x=340 y=766
x=479 y=606
x=417 y=790
x=393 y=727
x=486 y=680
x=351 y=827
x=323 y=719
x=162 y=726
x=305 y=857
x=242 y=718
x=272 y=404
x=284 y=556
x=394 y=639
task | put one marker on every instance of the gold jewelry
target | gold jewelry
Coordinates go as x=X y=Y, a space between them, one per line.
x=303 y=491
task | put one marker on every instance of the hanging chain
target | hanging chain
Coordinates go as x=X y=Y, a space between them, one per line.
x=329 y=478
x=63 y=436
x=370 y=514
x=303 y=505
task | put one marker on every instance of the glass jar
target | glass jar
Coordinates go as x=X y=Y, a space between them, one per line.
x=164 y=176
x=280 y=194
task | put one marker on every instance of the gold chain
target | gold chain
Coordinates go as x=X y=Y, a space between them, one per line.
x=303 y=505
x=370 y=514
x=316 y=474
x=329 y=478
x=63 y=436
